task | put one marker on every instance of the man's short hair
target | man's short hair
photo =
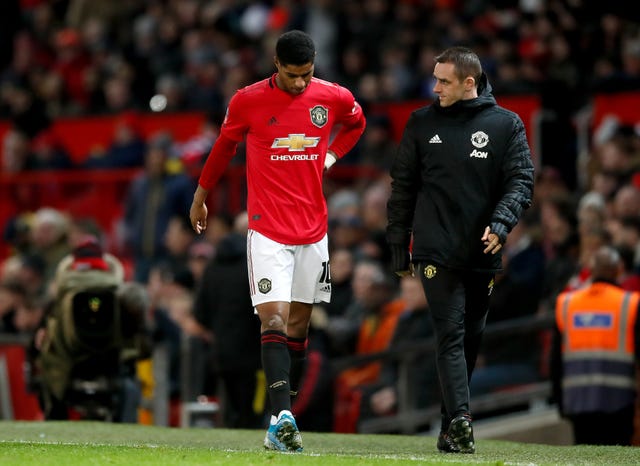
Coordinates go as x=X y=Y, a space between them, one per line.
x=465 y=61
x=295 y=48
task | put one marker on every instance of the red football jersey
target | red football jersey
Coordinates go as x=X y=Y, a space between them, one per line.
x=287 y=137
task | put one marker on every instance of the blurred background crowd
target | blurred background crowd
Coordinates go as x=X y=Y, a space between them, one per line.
x=81 y=58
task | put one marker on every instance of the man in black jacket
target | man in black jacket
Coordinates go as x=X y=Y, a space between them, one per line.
x=461 y=178
x=223 y=306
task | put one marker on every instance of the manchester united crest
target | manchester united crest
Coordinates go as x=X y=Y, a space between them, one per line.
x=479 y=139
x=319 y=115
x=264 y=285
x=430 y=271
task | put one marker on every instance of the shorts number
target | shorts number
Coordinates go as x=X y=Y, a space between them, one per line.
x=326 y=273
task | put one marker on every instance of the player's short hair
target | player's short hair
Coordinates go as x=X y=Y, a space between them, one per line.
x=295 y=48
x=465 y=61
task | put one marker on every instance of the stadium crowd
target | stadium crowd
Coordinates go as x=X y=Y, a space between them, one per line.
x=75 y=58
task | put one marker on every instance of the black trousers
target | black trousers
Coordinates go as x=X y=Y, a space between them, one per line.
x=239 y=393
x=459 y=303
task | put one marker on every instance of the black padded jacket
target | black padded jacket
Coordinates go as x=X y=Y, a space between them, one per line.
x=459 y=169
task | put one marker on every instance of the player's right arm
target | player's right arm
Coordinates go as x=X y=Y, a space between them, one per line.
x=221 y=153
x=223 y=150
x=199 y=212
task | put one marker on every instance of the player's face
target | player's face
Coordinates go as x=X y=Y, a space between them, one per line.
x=448 y=87
x=294 y=79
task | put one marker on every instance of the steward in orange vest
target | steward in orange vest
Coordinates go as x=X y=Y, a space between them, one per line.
x=598 y=343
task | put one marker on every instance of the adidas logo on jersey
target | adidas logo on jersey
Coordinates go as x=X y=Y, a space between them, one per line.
x=435 y=140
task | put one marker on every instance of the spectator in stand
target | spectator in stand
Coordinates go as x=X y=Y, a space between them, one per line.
x=17 y=234
x=8 y=28
x=613 y=156
x=25 y=318
x=127 y=148
x=49 y=234
x=592 y=211
x=377 y=324
x=80 y=228
x=630 y=277
x=342 y=327
x=154 y=197
x=118 y=93
x=614 y=77
x=377 y=148
x=525 y=254
x=12 y=295
x=561 y=244
x=48 y=153
x=549 y=185
x=223 y=308
x=72 y=63
x=26 y=110
x=173 y=89
x=342 y=268
x=16 y=153
x=203 y=89
x=30 y=273
x=516 y=294
x=344 y=203
x=199 y=254
x=171 y=299
x=626 y=202
x=592 y=234
x=591 y=239
x=354 y=64
x=374 y=217
x=380 y=42
x=219 y=226
x=43 y=152
x=346 y=229
x=177 y=240
x=382 y=398
x=374 y=205
x=625 y=233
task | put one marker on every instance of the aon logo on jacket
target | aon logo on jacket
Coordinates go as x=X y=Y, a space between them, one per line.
x=479 y=154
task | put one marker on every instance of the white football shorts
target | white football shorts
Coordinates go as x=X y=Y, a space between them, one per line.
x=281 y=272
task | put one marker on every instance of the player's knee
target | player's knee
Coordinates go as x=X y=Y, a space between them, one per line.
x=274 y=322
x=298 y=321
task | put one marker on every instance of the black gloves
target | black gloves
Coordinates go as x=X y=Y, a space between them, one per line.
x=400 y=258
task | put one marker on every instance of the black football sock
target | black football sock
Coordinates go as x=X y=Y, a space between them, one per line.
x=298 y=353
x=276 y=362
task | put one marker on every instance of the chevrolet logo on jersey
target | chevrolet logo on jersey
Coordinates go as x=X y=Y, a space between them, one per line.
x=295 y=142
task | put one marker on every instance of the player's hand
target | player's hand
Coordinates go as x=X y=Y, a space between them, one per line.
x=401 y=260
x=198 y=216
x=329 y=160
x=491 y=242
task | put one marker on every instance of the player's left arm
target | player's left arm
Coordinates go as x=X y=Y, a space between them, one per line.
x=352 y=123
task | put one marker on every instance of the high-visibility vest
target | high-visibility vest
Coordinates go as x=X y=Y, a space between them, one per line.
x=597 y=325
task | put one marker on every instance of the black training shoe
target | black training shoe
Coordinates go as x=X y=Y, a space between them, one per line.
x=445 y=444
x=461 y=434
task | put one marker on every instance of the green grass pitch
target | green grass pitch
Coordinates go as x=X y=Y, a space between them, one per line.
x=95 y=443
